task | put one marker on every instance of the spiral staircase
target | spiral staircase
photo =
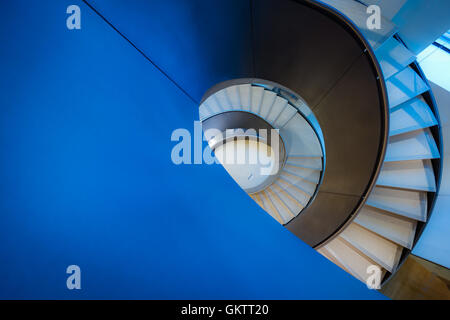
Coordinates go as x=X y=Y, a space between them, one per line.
x=299 y=172
x=386 y=225
x=355 y=158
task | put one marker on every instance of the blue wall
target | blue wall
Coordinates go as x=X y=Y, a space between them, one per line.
x=434 y=243
x=87 y=179
x=420 y=22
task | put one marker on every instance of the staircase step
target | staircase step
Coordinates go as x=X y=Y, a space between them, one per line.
x=294 y=204
x=354 y=262
x=295 y=194
x=257 y=198
x=323 y=251
x=204 y=112
x=404 y=86
x=300 y=183
x=307 y=174
x=411 y=115
x=280 y=205
x=392 y=227
x=232 y=94
x=408 y=203
x=267 y=102
x=306 y=162
x=286 y=115
x=245 y=96
x=209 y=108
x=223 y=100
x=412 y=145
x=277 y=108
x=384 y=252
x=300 y=139
x=393 y=57
x=412 y=174
x=270 y=208
x=256 y=99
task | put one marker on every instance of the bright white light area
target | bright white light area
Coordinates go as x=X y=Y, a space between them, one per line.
x=245 y=161
x=435 y=63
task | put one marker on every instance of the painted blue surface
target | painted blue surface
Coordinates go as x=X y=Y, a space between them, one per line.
x=421 y=22
x=435 y=63
x=87 y=179
x=199 y=43
x=434 y=243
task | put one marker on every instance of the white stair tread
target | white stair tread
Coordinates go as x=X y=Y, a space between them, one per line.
x=270 y=208
x=204 y=112
x=306 y=162
x=276 y=207
x=286 y=115
x=404 y=86
x=412 y=145
x=393 y=227
x=257 y=198
x=409 y=203
x=323 y=251
x=233 y=97
x=307 y=174
x=297 y=194
x=393 y=57
x=277 y=108
x=245 y=96
x=354 y=262
x=300 y=139
x=412 y=174
x=223 y=100
x=213 y=104
x=356 y=12
x=256 y=99
x=298 y=182
x=280 y=205
x=267 y=101
x=411 y=115
x=295 y=204
x=384 y=252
